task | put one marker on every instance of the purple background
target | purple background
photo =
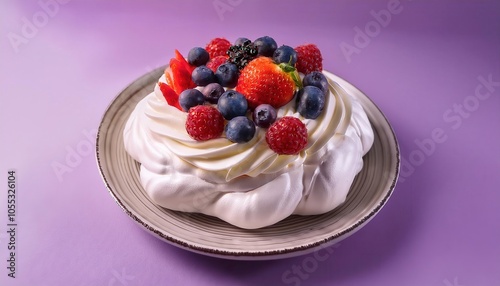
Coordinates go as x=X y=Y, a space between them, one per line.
x=441 y=226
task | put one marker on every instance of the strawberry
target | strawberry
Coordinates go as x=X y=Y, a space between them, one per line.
x=309 y=58
x=264 y=82
x=214 y=63
x=179 y=73
x=183 y=61
x=287 y=136
x=204 y=122
x=218 y=47
x=170 y=95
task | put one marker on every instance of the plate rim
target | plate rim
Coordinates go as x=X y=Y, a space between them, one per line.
x=246 y=255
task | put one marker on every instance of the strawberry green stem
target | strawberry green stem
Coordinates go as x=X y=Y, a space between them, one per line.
x=292 y=71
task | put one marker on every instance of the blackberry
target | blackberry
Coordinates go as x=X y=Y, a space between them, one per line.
x=241 y=55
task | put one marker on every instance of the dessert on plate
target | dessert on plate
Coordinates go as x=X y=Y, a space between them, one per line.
x=249 y=132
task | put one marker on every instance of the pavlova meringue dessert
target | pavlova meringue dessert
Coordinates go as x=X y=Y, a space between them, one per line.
x=248 y=132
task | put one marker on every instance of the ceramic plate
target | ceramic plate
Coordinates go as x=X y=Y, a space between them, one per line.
x=208 y=235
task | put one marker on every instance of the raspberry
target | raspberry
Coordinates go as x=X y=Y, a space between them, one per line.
x=204 y=122
x=214 y=63
x=218 y=47
x=309 y=58
x=287 y=136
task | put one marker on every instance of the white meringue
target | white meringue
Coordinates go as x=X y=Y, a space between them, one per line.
x=247 y=184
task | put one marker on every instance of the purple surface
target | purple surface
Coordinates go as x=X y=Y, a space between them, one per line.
x=424 y=68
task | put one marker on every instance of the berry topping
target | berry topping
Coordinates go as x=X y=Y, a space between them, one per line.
x=265 y=46
x=232 y=104
x=263 y=81
x=218 y=47
x=259 y=76
x=318 y=80
x=203 y=76
x=242 y=54
x=287 y=136
x=198 y=56
x=179 y=74
x=214 y=63
x=190 y=98
x=309 y=58
x=212 y=92
x=310 y=102
x=285 y=54
x=204 y=122
x=227 y=75
x=264 y=115
x=170 y=95
x=240 y=129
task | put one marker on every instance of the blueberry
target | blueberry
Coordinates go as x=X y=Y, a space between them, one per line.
x=265 y=46
x=285 y=54
x=227 y=75
x=240 y=129
x=316 y=79
x=198 y=56
x=241 y=41
x=203 y=76
x=311 y=101
x=231 y=104
x=264 y=115
x=190 y=98
x=212 y=92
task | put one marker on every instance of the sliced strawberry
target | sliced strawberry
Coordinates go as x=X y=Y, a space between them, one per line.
x=169 y=76
x=181 y=75
x=170 y=95
x=178 y=76
x=183 y=62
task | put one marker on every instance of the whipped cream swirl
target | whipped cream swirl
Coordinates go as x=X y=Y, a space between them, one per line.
x=247 y=184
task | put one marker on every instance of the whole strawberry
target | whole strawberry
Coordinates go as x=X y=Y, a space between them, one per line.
x=309 y=58
x=204 y=122
x=218 y=47
x=264 y=82
x=287 y=136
